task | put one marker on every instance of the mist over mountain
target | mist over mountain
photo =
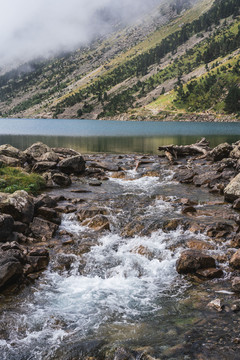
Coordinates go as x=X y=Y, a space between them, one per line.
x=41 y=28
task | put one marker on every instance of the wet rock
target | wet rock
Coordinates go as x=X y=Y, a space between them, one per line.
x=221 y=151
x=72 y=165
x=61 y=179
x=236 y=285
x=19 y=205
x=236 y=304
x=192 y=260
x=188 y=209
x=65 y=261
x=43 y=166
x=36 y=151
x=132 y=229
x=119 y=175
x=199 y=245
x=211 y=273
x=98 y=223
x=171 y=225
x=90 y=212
x=235 y=260
x=36 y=263
x=143 y=251
x=39 y=252
x=185 y=176
x=43 y=229
x=95 y=183
x=232 y=190
x=216 y=305
x=6 y=227
x=66 y=209
x=49 y=214
x=220 y=230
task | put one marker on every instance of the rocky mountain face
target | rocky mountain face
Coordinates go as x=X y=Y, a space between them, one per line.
x=179 y=60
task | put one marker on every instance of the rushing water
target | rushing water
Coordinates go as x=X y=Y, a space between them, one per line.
x=89 y=136
x=124 y=292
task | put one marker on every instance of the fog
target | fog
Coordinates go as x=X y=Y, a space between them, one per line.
x=41 y=28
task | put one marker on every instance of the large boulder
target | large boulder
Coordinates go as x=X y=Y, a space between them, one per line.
x=61 y=179
x=9 y=161
x=72 y=165
x=192 y=260
x=37 y=150
x=221 y=151
x=235 y=153
x=43 y=229
x=65 y=152
x=12 y=152
x=19 y=205
x=232 y=190
x=43 y=166
x=6 y=227
x=12 y=260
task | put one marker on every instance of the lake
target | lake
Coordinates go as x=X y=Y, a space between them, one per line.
x=92 y=136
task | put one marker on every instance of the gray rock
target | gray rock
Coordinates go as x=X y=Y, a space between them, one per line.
x=9 y=161
x=19 y=205
x=72 y=165
x=221 y=151
x=235 y=153
x=43 y=166
x=232 y=190
x=10 y=270
x=61 y=179
x=37 y=150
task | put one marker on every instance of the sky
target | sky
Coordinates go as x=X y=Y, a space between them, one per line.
x=42 y=28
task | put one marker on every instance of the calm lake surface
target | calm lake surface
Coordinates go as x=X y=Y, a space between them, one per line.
x=91 y=136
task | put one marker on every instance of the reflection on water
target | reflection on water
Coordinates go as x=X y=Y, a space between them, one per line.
x=91 y=136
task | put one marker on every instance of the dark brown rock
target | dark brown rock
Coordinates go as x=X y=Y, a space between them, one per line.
x=192 y=260
x=185 y=176
x=72 y=165
x=236 y=204
x=235 y=260
x=10 y=270
x=98 y=223
x=188 y=209
x=6 y=227
x=90 y=212
x=210 y=273
x=20 y=227
x=43 y=229
x=206 y=178
x=36 y=263
x=49 y=214
x=45 y=200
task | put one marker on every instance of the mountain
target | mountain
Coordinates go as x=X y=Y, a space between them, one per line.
x=179 y=61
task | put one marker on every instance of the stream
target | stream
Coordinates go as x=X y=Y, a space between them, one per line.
x=117 y=289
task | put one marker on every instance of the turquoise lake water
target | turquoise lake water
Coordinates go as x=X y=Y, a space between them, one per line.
x=91 y=136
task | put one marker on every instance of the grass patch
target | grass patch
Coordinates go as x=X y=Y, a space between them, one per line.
x=13 y=179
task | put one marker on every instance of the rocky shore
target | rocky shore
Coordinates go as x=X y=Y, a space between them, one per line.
x=30 y=231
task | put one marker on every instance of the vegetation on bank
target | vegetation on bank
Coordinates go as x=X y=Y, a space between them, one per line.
x=13 y=179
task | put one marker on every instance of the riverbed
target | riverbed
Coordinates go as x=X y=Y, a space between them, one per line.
x=115 y=293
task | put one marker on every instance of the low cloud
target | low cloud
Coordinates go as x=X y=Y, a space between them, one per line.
x=40 y=28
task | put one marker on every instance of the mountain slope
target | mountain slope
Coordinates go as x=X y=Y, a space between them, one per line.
x=143 y=71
